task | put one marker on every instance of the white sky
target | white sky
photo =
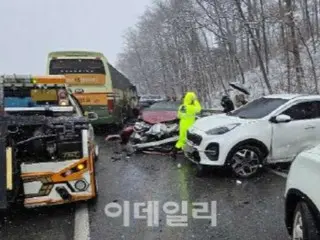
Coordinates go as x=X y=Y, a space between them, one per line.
x=30 y=29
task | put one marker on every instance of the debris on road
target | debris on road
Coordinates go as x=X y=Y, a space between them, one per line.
x=113 y=137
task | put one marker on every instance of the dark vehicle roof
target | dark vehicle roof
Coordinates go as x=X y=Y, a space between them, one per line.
x=164 y=106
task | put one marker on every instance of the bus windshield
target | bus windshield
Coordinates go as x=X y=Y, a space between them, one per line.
x=76 y=66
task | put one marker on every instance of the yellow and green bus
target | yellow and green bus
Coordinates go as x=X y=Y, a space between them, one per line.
x=98 y=86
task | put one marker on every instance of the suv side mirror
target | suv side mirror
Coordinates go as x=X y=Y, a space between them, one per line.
x=282 y=118
x=92 y=116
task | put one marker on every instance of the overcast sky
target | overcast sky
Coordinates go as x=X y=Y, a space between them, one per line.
x=29 y=29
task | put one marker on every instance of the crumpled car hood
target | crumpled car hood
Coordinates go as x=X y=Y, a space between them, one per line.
x=154 y=117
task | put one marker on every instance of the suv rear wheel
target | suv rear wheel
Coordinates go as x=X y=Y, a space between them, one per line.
x=304 y=225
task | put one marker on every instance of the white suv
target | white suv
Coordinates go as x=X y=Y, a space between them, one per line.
x=270 y=129
x=302 y=196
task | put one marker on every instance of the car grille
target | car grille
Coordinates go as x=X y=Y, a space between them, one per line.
x=194 y=138
x=194 y=156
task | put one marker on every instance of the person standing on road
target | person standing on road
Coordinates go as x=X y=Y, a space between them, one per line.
x=240 y=100
x=187 y=112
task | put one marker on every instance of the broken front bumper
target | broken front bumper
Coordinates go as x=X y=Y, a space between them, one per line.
x=55 y=183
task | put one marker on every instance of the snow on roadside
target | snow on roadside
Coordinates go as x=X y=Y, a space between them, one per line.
x=278 y=76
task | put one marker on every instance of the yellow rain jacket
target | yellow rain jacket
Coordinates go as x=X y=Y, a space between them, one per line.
x=187 y=114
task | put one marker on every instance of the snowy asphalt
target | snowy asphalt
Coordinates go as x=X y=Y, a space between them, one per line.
x=251 y=209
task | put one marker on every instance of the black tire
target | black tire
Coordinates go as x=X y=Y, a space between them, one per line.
x=309 y=229
x=200 y=169
x=256 y=161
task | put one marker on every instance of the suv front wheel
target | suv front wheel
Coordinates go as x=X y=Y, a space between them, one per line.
x=245 y=161
x=304 y=225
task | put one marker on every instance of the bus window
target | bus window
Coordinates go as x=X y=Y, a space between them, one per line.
x=72 y=66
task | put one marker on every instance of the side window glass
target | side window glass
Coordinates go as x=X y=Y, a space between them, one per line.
x=302 y=111
x=318 y=109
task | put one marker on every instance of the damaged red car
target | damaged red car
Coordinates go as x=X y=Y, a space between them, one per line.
x=156 y=129
x=160 y=112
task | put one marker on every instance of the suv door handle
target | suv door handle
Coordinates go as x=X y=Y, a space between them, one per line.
x=310 y=127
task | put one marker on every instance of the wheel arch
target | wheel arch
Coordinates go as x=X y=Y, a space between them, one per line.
x=293 y=197
x=252 y=142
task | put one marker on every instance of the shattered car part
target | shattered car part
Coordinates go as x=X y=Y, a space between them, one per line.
x=141 y=136
x=47 y=137
x=156 y=143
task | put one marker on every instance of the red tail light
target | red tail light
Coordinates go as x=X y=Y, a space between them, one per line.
x=110 y=105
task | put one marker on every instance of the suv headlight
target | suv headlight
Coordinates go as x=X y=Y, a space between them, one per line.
x=222 y=130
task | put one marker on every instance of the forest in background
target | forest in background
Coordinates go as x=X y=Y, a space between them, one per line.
x=270 y=46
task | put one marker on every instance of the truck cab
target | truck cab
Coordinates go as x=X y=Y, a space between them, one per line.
x=47 y=143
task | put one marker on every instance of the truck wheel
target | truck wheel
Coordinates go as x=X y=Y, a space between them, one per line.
x=304 y=225
x=245 y=161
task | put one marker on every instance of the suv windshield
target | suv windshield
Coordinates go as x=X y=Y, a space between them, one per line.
x=258 y=108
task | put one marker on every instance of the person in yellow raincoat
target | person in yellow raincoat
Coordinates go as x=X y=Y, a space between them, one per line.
x=187 y=115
